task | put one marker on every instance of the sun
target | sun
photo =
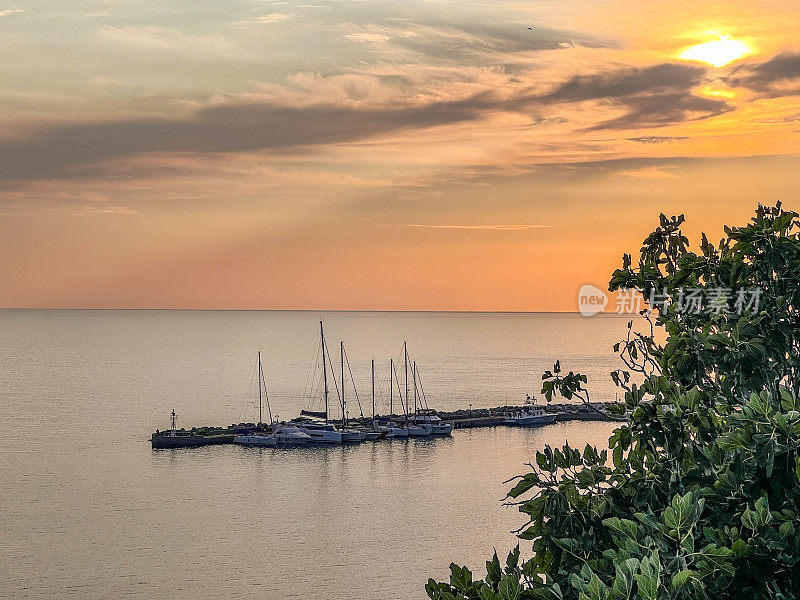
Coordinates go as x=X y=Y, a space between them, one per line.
x=717 y=53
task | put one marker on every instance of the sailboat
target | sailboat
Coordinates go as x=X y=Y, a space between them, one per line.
x=281 y=435
x=324 y=432
x=415 y=429
x=390 y=429
x=426 y=417
x=374 y=433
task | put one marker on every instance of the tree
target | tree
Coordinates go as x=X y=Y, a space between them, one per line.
x=700 y=497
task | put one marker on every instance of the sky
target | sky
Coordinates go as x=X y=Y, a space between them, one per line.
x=377 y=155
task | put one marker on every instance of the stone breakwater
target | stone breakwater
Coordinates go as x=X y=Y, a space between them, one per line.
x=461 y=419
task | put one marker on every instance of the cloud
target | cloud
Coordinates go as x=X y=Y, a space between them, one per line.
x=168 y=39
x=776 y=77
x=651 y=172
x=653 y=96
x=316 y=111
x=626 y=82
x=10 y=11
x=657 y=139
x=274 y=17
x=367 y=37
x=473 y=43
x=483 y=227
x=76 y=150
x=111 y=210
x=661 y=110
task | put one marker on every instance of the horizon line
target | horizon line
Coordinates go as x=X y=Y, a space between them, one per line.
x=329 y=310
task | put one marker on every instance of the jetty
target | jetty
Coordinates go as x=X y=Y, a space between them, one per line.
x=461 y=419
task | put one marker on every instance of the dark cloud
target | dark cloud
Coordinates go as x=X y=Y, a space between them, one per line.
x=662 y=109
x=770 y=77
x=74 y=150
x=627 y=82
x=657 y=139
x=654 y=96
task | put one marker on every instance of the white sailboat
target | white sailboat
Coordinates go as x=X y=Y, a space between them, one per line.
x=389 y=428
x=426 y=417
x=259 y=438
x=415 y=429
x=373 y=433
x=324 y=432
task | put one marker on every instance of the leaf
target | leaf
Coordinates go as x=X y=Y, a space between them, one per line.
x=527 y=482
x=493 y=570
x=460 y=578
x=680 y=579
x=512 y=561
x=681 y=514
x=509 y=588
x=647 y=586
x=486 y=593
x=623 y=526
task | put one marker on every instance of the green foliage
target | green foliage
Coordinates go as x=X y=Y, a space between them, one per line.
x=700 y=495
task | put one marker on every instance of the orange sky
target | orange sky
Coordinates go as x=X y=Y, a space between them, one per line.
x=377 y=155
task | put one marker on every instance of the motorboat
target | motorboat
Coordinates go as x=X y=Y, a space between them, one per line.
x=430 y=420
x=256 y=439
x=530 y=416
x=320 y=432
x=288 y=436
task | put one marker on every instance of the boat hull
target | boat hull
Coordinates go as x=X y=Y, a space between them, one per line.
x=265 y=441
x=419 y=431
x=351 y=436
x=442 y=429
x=160 y=441
x=534 y=421
x=397 y=433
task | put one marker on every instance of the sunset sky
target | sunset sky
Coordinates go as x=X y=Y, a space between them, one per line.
x=377 y=154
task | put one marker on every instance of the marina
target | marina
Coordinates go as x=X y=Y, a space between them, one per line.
x=318 y=428
x=500 y=416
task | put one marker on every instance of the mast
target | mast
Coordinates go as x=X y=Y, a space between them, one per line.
x=341 y=355
x=405 y=360
x=414 y=374
x=391 y=392
x=173 y=432
x=324 y=368
x=262 y=380
x=373 y=390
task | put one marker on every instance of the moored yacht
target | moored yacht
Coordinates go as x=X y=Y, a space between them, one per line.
x=319 y=432
x=289 y=436
x=324 y=432
x=259 y=437
x=395 y=433
x=256 y=439
x=429 y=419
x=530 y=416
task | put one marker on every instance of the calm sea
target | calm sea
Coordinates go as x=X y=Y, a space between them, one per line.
x=90 y=511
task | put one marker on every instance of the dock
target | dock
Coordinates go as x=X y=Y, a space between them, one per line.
x=461 y=419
